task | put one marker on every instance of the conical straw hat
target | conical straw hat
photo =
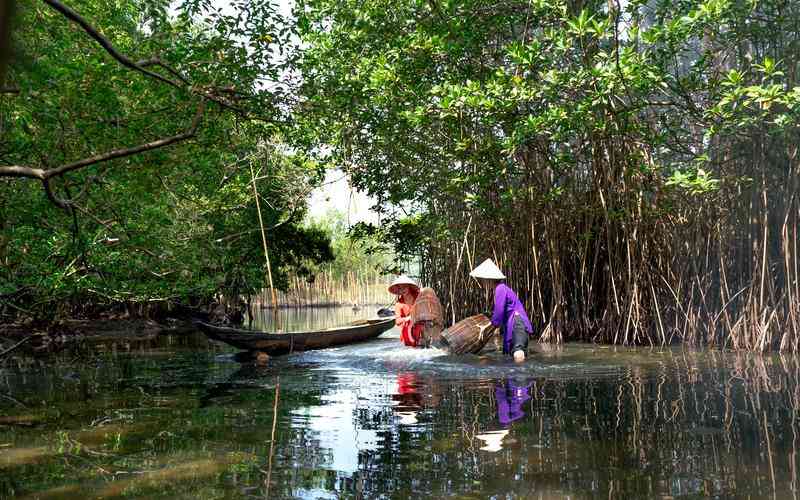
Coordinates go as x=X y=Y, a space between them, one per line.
x=487 y=270
x=401 y=280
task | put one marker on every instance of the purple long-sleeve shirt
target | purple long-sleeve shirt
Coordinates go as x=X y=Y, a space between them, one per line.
x=506 y=306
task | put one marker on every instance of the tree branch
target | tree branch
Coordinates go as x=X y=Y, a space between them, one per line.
x=119 y=153
x=46 y=175
x=181 y=82
x=158 y=62
x=141 y=66
x=15 y=346
x=17 y=171
x=105 y=43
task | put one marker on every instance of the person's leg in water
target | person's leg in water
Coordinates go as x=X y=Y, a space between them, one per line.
x=519 y=340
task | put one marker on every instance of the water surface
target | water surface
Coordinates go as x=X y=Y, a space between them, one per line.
x=379 y=420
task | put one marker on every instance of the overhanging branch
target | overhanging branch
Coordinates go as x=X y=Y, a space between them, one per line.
x=105 y=43
x=180 y=81
x=47 y=175
x=119 y=153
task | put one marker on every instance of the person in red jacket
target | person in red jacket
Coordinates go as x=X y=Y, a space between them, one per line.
x=406 y=291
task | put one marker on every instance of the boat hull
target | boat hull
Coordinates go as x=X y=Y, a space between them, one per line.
x=286 y=343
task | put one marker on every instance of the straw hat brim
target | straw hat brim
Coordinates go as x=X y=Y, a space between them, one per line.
x=402 y=281
x=393 y=288
x=493 y=440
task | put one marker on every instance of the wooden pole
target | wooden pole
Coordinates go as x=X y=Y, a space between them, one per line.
x=272 y=438
x=264 y=242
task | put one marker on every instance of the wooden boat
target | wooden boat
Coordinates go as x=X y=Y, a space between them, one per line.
x=285 y=343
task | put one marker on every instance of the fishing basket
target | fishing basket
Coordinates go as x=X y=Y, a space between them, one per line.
x=427 y=307
x=427 y=310
x=469 y=335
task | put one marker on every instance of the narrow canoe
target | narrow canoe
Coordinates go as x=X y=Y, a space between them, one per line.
x=285 y=343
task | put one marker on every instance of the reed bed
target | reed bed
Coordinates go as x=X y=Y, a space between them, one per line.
x=619 y=256
x=637 y=190
x=329 y=290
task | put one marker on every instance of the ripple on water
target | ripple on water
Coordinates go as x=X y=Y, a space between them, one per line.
x=388 y=355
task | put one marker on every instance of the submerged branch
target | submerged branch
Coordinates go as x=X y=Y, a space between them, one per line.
x=15 y=346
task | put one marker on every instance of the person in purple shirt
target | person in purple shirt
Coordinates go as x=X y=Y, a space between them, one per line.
x=508 y=313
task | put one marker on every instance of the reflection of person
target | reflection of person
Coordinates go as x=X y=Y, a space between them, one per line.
x=408 y=399
x=413 y=394
x=407 y=395
x=407 y=291
x=510 y=396
x=508 y=313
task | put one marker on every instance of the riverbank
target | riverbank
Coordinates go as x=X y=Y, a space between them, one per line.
x=132 y=331
x=97 y=328
x=65 y=334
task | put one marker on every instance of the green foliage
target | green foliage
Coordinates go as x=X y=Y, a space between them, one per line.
x=599 y=134
x=172 y=226
x=354 y=251
x=425 y=106
x=516 y=129
x=695 y=182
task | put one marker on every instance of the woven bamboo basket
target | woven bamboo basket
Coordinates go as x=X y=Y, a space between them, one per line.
x=469 y=335
x=428 y=311
x=427 y=307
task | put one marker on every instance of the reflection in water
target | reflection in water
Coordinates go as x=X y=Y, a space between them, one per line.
x=511 y=395
x=493 y=440
x=379 y=420
x=414 y=394
x=408 y=400
x=332 y=428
